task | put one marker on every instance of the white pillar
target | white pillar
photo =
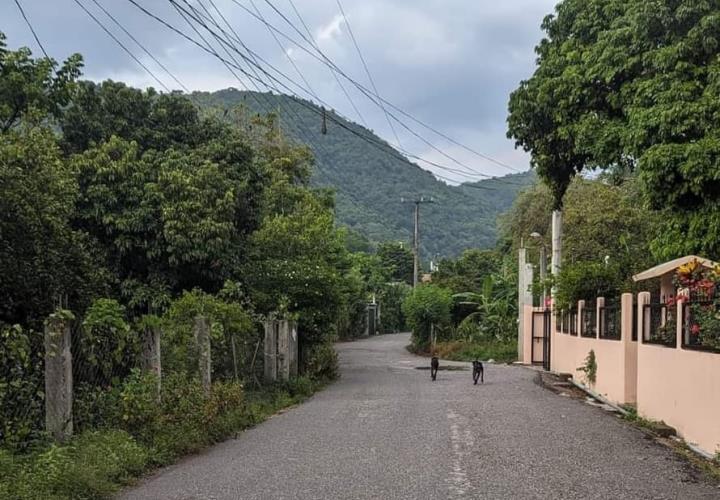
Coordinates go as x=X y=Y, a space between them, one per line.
x=557 y=221
x=522 y=258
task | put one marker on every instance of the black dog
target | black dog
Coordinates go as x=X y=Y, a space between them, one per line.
x=434 y=365
x=478 y=372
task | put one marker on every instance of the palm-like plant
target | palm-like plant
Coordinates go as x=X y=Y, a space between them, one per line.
x=495 y=310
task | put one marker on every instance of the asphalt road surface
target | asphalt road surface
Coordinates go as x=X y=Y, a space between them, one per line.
x=385 y=431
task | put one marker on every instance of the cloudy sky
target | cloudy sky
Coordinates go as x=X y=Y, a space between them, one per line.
x=448 y=63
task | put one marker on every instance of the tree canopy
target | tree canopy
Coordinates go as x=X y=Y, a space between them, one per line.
x=631 y=85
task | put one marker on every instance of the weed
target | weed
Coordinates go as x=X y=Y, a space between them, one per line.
x=502 y=352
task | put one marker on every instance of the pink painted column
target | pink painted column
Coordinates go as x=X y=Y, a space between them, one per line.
x=629 y=347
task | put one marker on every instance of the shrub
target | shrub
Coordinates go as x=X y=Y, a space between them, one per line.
x=92 y=465
x=322 y=362
x=21 y=388
x=300 y=387
x=106 y=344
x=499 y=351
x=427 y=305
x=586 y=281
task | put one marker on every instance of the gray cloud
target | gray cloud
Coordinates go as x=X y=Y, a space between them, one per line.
x=450 y=63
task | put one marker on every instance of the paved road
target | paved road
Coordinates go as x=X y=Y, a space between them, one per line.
x=384 y=431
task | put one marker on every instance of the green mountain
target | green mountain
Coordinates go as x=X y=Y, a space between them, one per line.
x=370 y=179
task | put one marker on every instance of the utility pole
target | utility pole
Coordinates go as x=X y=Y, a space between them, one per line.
x=416 y=235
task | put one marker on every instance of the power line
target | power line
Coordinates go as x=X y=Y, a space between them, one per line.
x=383 y=146
x=367 y=70
x=142 y=47
x=92 y=16
x=287 y=56
x=297 y=128
x=32 y=30
x=325 y=60
x=380 y=145
x=332 y=71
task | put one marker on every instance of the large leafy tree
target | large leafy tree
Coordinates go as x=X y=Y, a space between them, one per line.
x=632 y=85
x=468 y=272
x=398 y=260
x=39 y=87
x=42 y=259
x=154 y=121
x=169 y=221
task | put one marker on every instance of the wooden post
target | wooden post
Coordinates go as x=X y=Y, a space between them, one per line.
x=202 y=337
x=58 y=377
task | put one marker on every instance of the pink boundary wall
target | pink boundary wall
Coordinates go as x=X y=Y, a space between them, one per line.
x=682 y=388
x=677 y=386
x=616 y=359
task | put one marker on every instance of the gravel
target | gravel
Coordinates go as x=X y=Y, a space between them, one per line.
x=385 y=431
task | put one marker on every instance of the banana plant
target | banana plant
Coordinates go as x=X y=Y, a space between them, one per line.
x=495 y=309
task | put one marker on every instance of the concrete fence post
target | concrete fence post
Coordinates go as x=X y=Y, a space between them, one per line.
x=150 y=360
x=579 y=319
x=630 y=350
x=643 y=327
x=270 y=350
x=283 y=350
x=626 y=317
x=58 y=377
x=202 y=337
x=599 y=304
x=293 y=342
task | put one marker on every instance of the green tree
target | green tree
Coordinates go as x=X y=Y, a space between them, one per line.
x=625 y=85
x=41 y=257
x=99 y=111
x=169 y=221
x=398 y=260
x=468 y=272
x=600 y=219
x=427 y=307
x=39 y=87
x=495 y=310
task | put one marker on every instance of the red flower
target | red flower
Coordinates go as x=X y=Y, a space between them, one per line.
x=695 y=329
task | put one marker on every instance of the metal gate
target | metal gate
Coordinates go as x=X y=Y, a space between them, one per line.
x=540 y=346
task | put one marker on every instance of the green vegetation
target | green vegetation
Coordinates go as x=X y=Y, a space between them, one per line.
x=126 y=212
x=427 y=310
x=460 y=350
x=97 y=463
x=607 y=236
x=589 y=368
x=629 y=87
x=369 y=183
x=473 y=304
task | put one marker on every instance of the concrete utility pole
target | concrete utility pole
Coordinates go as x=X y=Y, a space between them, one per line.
x=542 y=263
x=557 y=222
x=416 y=235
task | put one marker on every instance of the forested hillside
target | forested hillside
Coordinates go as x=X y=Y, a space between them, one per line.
x=370 y=180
